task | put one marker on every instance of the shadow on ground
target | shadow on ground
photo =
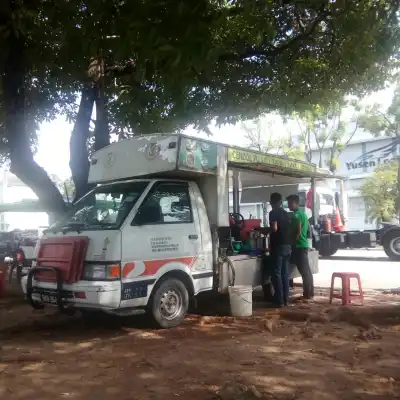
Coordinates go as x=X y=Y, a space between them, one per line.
x=311 y=351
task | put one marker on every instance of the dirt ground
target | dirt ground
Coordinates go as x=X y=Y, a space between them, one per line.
x=310 y=351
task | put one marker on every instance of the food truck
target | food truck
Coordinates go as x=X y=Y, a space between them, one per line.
x=156 y=230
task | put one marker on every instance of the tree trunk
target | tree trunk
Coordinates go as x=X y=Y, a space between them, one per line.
x=331 y=165
x=79 y=155
x=22 y=163
x=308 y=154
x=101 y=132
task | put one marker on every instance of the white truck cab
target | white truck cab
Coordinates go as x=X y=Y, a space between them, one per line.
x=325 y=197
x=156 y=230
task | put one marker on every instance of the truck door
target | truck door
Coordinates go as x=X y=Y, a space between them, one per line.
x=163 y=236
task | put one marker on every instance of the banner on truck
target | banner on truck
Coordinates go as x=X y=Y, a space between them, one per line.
x=268 y=160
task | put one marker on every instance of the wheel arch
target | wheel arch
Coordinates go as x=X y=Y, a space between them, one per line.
x=389 y=231
x=177 y=274
x=153 y=308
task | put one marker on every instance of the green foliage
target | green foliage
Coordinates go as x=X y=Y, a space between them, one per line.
x=380 y=192
x=324 y=127
x=383 y=122
x=195 y=61
x=67 y=188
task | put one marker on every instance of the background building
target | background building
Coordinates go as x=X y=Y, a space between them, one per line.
x=13 y=190
x=357 y=161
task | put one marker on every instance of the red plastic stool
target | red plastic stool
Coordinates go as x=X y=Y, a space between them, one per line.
x=346 y=294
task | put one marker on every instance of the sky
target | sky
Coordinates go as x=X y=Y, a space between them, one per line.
x=53 y=149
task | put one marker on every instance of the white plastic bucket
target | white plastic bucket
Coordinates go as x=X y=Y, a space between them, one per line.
x=241 y=300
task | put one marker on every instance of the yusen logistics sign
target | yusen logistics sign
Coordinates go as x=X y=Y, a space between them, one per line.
x=267 y=160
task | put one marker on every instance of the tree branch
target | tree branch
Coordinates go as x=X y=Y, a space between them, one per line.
x=352 y=135
x=391 y=125
x=117 y=71
x=276 y=50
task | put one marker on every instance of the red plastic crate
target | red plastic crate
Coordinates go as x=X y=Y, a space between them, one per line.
x=64 y=253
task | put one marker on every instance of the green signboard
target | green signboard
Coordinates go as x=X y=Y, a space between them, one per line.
x=197 y=155
x=267 y=160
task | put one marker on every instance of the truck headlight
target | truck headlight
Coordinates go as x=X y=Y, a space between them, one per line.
x=93 y=272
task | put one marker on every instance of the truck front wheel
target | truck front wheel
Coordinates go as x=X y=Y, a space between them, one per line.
x=169 y=303
x=391 y=244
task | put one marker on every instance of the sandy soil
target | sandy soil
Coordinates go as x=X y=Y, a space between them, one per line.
x=310 y=351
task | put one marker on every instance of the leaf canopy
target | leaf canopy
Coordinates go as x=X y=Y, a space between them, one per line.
x=380 y=121
x=174 y=63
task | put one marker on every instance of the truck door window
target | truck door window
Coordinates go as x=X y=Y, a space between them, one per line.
x=168 y=203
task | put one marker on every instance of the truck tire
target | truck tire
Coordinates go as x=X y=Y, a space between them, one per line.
x=391 y=244
x=325 y=253
x=169 y=303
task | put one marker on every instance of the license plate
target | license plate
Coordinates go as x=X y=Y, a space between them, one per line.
x=48 y=299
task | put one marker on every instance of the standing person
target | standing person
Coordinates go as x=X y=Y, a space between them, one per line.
x=280 y=245
x=299 y=228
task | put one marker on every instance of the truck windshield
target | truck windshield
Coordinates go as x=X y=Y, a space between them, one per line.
x=106 y=207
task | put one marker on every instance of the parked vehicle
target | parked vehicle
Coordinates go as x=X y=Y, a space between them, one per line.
x=157 y=231
x=332 y=233
x=388 y=237
x=18 y=248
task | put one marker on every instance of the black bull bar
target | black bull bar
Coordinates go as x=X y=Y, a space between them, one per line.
x=59 y=290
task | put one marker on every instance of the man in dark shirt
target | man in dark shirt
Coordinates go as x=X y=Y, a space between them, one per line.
x=280 y=245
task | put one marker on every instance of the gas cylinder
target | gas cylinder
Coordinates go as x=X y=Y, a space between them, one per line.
x=326 y=224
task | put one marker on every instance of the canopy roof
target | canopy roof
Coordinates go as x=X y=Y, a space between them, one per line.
x=293 y=170
x=252 y=179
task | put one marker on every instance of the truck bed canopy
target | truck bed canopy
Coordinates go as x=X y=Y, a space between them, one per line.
x=255 y=179
x=180 y=155
x=260 y=174
x=256 y=187
x=290 y=170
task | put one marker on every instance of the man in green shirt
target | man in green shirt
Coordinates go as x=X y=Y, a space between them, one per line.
x=299 y=229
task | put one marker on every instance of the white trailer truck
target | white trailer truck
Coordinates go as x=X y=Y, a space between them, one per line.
x=156 y=230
